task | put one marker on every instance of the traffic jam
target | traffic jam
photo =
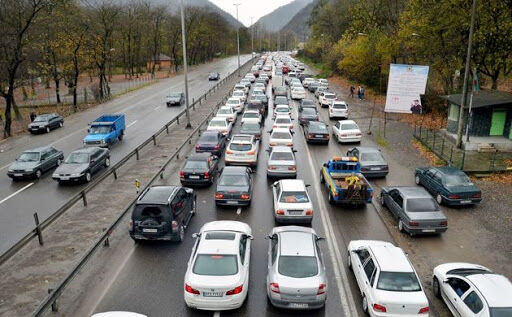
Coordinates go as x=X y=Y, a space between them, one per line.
x=258 y=133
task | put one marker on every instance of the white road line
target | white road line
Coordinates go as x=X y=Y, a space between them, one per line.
x=216 y=314
x=15 y=193
x=157 y=107
x=346 y=299
x=6 y=166
x=131 y=124
x=239 y=211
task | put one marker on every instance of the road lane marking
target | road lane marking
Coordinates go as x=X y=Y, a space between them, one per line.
x=15 y=193
x=156 y=107
x=131 y=124
x=239 y=211
x=346 y=299
x=6 y=166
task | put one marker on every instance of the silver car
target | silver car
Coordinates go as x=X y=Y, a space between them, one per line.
x=296 y=277
x=281 y=162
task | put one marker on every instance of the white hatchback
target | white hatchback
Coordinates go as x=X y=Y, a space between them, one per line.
x=291 y=201
x=346 y=131
x=221 y=124
x=242 y=150
x=235 y=103
x=227 y=112
x=217 y=276
x=338 y=109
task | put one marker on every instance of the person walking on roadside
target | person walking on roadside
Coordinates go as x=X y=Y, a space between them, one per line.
x=362 y=93
x=352 y=88
x=359 y=92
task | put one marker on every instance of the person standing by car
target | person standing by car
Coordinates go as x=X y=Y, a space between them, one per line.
x=352 y=88
x=359 y=92
x=362 y=92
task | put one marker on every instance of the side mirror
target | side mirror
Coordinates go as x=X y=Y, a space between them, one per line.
x=196 y=235
x=320 y=238
x=93 y=161
x=89 y=130
x=250 y=237
x=446 y=281
x=268 y=237
x=294 y=151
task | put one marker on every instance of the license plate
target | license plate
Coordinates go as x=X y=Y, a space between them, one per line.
x=150 y=230
x=213 y=294
x=295 y=213
x=240 y=154
x=375 y=168
x=18 y=175
x=428 y=230
x=297 y=305
x=35 y=129
x=318 y=136
x=465 y=201
x=193 y=177
x=231 y=202
x=64 y=178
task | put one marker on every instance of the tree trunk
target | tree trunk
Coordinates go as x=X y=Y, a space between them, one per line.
x=57 y=89
x=8 y=119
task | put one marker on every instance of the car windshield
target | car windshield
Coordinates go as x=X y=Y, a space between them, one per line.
x=174 y=96
x=208 y=138
x=233 y=180
x=458 y=180
x=283 y=121
x=501 y=311
x=225 y=111
x=349 y=126
x=309 y=111
x=256 y=93
x=282 y=109
x=232 y=102
x=42 y=118
x=240 y=146
x=398 y=282
x=281 y=136
x=99 y=130
x=281 y=156
x=318 y=128
x=77 y=158
x=281 y=101
x=253 y=127
x=215 y=264
x=421 y=204
x=238 y=93
x=251 y=115
x=294 y=197
x=298 y=266
x=371 y=156
x=329 y=96
x=339 y=106
x=196 y=165
x=217 y=123
x=29 y=157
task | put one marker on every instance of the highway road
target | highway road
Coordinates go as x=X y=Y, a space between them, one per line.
x=146 y=113
x=148 y=278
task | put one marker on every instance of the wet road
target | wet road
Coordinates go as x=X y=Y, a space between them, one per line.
x=145 y=112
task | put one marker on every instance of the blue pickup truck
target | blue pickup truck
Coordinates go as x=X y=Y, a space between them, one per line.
x=106 y=130
x=344 y=181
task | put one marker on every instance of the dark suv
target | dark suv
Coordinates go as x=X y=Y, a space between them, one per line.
x=162 y=213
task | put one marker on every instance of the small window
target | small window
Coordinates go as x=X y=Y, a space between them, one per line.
x=473 y=302
x=459 y=286
x=274 y=242
x=369 y=267
x=453 y=113
x=242 y=247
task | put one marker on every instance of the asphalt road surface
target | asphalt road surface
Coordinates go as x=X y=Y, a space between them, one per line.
x=148 y=278
x=145 y=112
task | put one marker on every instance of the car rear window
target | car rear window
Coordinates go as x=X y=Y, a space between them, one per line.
x=398 y=282
x=458 y=180
x=501 y=311
x=298 y=266
x=294 y=197
x=283 y=120
x=215 y=264
x=251 y=115
x=318 y=128
x=282 y=109
x=339 y=106
x=225 y=111
x=208 y=138
x=365 y=157
x=306 y=102
x=217 y=123
x=309 y=111
x=281 y=135
x=220 y=235
x=281 y=156
x=155 y=212
x=240 y=146
x=250 y=126
x=421 y=204
x=349 y=126
x=232 y=102
x=233 y=180
x=329 y=96
x=196 y=165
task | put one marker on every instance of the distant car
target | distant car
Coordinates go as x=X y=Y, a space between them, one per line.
x=320 y=90
x=217 y=276
x=251 y=128
x=211 y=141
x=281 y=136
x=346 y=131
x=265 y=76
x=162 y=213
x=255 y=104
x=261 y=81
x=470 y=290
x=260 y=86
x=449 y=185
x=324 y=82
x=236 y=103
x=278 y=72
x=417 y=212
x=281 y=100
x=234 y=186
x=338 y=109
x=227 y=112
x=281 y=162
x=252 y=116
x=313 y=86
x=175 y=99
x=246 y=82
x=371 y=161
x=251 y=77
x=46 y=123
x=221 y=124
x=296 y=277
x=280 y=91
x=81 y=164
x=282 y=110
x=199 y=169
x=292 y=202
x=298 y=93
x=241 y=87
x=316 y=132
x=307 y=81
x=326 y=98
x=214 y=76
x=283 y=121
x=307 y=114
x=387 y=281
x=306 y=103
x=33 y=163
x=243 y=151
x=260 y=97
x=240 y=94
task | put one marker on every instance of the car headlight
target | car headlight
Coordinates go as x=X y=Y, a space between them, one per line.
x=28 y=170
x=55 y=175
x=10 y=170
x=76 y=174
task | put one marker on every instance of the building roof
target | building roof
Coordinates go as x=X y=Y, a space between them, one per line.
x=161 y=57
x=484 y=98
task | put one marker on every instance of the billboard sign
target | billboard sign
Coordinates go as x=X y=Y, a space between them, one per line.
x=405 y=85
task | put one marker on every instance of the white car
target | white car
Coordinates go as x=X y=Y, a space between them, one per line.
x=242 y=150
x=251 y=116
x=471 y=290
x=298 y=93
x=241 y=87
x=260 y=86
x=324 y=82
x=281 y=162
x=246 y=82
x=217 y=276
x=240 y=95
x=221 y=124
x=326 y=98
x=283 y=121
x=338 y=109
x=227 y=112
x=281 y=137
x=307 y=81
x=346 y=131
x=291 y=201
x=235 y=103
x=251 y=77
x=282 y=110
x=387 y=280
x=320 y=90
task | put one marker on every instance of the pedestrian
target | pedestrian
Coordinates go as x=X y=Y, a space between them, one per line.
x=352 y=88
x=359 y=92
x=362 y=93
x=32 y=116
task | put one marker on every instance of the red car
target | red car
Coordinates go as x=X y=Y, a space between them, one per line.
x=285 y=69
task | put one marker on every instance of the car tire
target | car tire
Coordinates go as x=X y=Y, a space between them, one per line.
x=47 y=129
x=364 y=305
x=120 y=137
x=439 y=199
x=181 y=233
x=87 y=177
x=38 y=174
x=349 y=261
x=436 y=288
x=401 y=226
x=331 y=198
x=417 y=179
x=61 y=124
x=107 y=162
x=322 y=179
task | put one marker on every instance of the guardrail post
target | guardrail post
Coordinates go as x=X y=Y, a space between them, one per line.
x=162 y=175
x=193 y=104
x=106 y=243
x=154 y=139
x=84 y=198
x=38 y=230
x=178 y=119
x=54 y=304
x=178 y=156
x=167 y=128
x=114 y=171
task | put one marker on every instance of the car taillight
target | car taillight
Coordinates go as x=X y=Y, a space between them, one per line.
x=272 y=144
x=477 y=195
x=424 y=310
x=191 y=290
x=197 y=147
x=216 y=147
x=219 y=196
x=182 y=174
x=224 y=132
x=271 y=167
x=280 y=212
x=206 y=175
x=229 y=152
x=236 y=290
x=309 y=212
x=443 y=223
x=174 y=225
x=244 y=196
x=454 y=196
x=130 y=225
x=292 y=168
x=250 y=153
x=358 y=134
x=289 y=144
x=274 y=287
x=379 y=308
x=310 y=135
x=413 y=224
x=321 y=289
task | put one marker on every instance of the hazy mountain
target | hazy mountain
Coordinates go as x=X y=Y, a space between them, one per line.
x=299 y=23
x=278 y=18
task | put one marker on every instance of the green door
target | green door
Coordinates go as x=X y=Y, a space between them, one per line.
x=498 y=122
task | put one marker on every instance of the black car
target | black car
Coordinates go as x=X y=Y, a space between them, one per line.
x=307 y=114
x=234 y=186
x=175 y=99
x=280 y=91
x=306 y=103
x=251 y=128
x=214 y=76
x=371 y=161
x=33 y=163
x=316 y=132
x=46 y=123
x=81 y=164
x=211 y=141
x=162 y=213
x=199 y=169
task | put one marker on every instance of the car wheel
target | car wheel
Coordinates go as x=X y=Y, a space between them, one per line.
x=436 y=288
x=439 y=199
x=61 y=124
x=120 y=137
x=365 y=305
x=417 y=179
x=107 y=162
x=38 y=174
x=349 y=261
x=401 y=226
x=181 y=233
x=382 y=201
x=331 y=198
x=88 y=177
x=47 y=129
x=322 y=179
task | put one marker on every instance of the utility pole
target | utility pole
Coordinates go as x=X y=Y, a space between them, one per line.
x=466 y=76
x=238 y=37
x=185 y=70
x=252 y=37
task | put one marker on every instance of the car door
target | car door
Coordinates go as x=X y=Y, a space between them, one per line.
x=272 y=257
x=276 y=189
x=428 y=179
x=245 y=254
x=53 y=156
x=359 y=257
x=370 y=271
x=454 y=289
x=44 y=160
x=94 y=161
x=393 y=202
x=336 y=129
x=178 y=206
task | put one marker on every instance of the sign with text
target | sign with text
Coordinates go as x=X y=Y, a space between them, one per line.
x=405 y=85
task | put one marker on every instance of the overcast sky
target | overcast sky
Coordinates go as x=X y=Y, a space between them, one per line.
x=250 y=8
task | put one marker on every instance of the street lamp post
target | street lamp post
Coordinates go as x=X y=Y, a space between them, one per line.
x=184 y=44
x=252 y=37
x=238 y=37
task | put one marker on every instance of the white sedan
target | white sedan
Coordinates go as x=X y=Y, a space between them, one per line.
x=281 y=137
x=338 y=109
x=235 y=103
x=291 y=201
x=221 y=124
x=227 y=112
x=346 y=131
x=217 y=276
x=283 y=121
x=240 y=95
x=243 y=150
x=282 y=110
x=298 y=93
x=325 y=99
x=251 y=116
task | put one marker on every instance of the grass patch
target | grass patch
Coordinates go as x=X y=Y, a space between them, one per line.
x=433 y=159
x=382 y=142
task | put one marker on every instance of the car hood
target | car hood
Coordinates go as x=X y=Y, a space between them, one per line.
x=71 y=168
x=430 y=215
x=95 y=137
x=234 y=189
x=23 y=165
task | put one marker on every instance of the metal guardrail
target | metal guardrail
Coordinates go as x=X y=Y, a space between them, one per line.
x=82 y=195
